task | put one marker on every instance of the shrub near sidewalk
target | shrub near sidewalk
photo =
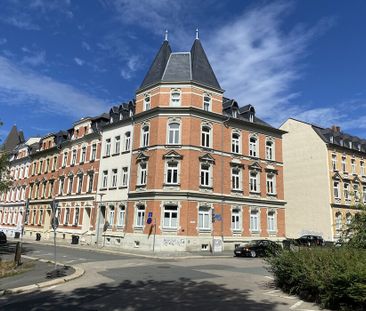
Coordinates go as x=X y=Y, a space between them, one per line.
x=333 y=277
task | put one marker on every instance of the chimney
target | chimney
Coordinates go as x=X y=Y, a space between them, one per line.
x=336 y=129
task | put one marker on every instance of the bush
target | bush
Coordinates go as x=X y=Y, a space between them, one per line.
x=333 y=277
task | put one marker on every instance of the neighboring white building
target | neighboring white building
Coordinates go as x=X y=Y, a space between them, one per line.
x=114 y=173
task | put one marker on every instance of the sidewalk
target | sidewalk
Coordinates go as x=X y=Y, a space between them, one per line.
x=34 y=275
x=135 y=252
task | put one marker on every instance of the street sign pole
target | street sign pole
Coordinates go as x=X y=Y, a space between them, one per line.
x=154 y=234
x=54 y=227
x=213 y=234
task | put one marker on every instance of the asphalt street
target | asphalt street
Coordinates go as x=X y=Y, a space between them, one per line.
x=124 y=282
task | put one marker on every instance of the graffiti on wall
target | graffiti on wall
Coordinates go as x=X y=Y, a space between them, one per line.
x=173 y=242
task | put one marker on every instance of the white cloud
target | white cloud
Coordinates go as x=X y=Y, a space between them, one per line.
x=3 y=41
x=19 y=86
x=22 y=22
x=85 y=45
x=256 y=62
x=79 y=61
x=35 y=58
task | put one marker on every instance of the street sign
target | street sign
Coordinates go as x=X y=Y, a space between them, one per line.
x=149 y=215
x=55 y=223
x=218 y=217
x=149 y=220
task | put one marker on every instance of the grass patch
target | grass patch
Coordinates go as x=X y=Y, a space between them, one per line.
x=8 y=268
x=333 y=277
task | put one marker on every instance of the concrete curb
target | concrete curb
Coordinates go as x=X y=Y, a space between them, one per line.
x=121 y=252
x=28 y=288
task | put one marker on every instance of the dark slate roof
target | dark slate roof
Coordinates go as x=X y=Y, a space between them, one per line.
x=190 y=66
x=201 y=69
x=335 y=136
x=14 y=138
x=157 y=68
x=178 y=68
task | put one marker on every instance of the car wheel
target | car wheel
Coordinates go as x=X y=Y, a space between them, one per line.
x=253 y=254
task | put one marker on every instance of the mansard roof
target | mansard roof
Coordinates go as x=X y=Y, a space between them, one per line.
x=176 y=67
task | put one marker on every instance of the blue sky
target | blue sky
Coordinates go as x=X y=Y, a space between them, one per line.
x=62 y=60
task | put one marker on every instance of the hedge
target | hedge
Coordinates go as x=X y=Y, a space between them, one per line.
x=333 y=277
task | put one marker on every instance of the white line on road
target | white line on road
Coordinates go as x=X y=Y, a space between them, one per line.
x=295 y=305
x=269 y=277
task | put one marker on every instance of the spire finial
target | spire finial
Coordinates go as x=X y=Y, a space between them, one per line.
x=197 y=34
x=166 y=35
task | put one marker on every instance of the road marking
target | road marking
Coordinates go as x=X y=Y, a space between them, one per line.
x=278 y=293
x=269 y=277
x=295 y=305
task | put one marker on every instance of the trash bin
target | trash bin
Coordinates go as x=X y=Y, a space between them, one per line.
x=75 y=239
x=38 y=236
x=17 y=235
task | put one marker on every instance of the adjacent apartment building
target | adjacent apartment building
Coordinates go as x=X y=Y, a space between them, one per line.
x=325 y=178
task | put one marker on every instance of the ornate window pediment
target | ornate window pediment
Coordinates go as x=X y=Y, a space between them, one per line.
x=255 y=167
x=142 y=157
x=207 y=158
x=337 y=176
x=172 y=155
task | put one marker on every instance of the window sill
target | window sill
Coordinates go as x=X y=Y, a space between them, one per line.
x=92 y=160
x=106 y=156
x=140 y=186
x=238 y=191
x=272 y=194
x=125 y=152
x=115 y=154
x=122 y=187
x=173 y=146
x=206 y=187
x=72 y=165
x=200 y=230
x=169 y=229
x=171 y=185
x=102 y=189
x=255 y=192
x=112 y=188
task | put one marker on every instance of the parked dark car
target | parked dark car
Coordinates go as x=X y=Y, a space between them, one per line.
x=310 y=240
x=3 y=239
x=257 y=248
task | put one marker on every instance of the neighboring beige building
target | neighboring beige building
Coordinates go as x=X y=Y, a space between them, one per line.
x=324 y=178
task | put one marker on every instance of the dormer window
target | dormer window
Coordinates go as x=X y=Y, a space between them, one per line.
x=251 y=117
x=350 y=144
x=341 y=142
x=331 y=138
x=175 y=98
x=207 y=102
x=131 y=113
x=147 y=102
x=235 y=113
x=120 y=116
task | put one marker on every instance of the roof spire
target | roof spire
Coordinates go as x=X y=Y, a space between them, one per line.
x=166 y=35
x=197 y=34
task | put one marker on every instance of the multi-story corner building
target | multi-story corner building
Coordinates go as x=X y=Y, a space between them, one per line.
x=203 y=169
x=114 y=172
x=65 y=170
x=325 y=178
x=13 y=202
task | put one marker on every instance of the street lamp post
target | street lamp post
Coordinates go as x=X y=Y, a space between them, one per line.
x=98 y=216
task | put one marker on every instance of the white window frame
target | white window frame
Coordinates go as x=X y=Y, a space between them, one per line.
x=206 y=136
x=114 y=178
x=76 y=217
x=254 y=181
x=336 y=191
x=142 y=174
x=207 y=102
x=111 y=213
x=173 y=134
x=353 y=166
x=338 y=221
x=83 y=154
x=344 y=165
x=253 y=146
x=124 y=179
x=236 y=219
x=175 y=102
x=107 y=152
x=140 y=211
x=145 y=133
x=205 y=175
x=271 y=183
x=147 y=102
x=254 y=220
x=74 y=154
x=334 y=162
x=80 y=183
x=93 y=154
x=271 y=221
x=127 y=141
x=236 y=178
x=346 y=191
x=235 y=142
x=117 y=144
x=171 y=171
x=105 y=179
x=121 y=215
x=168 y=213
x=204 y=218
x=270 y=149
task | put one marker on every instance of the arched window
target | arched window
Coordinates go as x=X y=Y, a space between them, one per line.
x=147 y=104
x=121 y=215
x=173 y=133
x=145 y=136
x=253 y=146
x=269 y=150
x=175 y=98
x=207 y=102
x=206 y=136
x=235 y=142
x=127 y=141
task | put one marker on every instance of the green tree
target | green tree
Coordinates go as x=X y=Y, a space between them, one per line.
x=355 y=234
